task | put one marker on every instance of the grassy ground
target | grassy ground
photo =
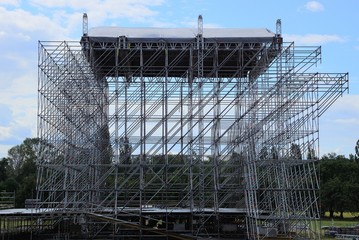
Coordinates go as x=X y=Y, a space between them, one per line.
x=338 y=222
x=346 y=215
x=350 y=220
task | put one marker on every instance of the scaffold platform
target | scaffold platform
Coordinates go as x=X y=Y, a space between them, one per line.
x=209 y=132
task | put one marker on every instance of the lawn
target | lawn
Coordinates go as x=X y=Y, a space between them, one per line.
x=346 y=215
x=338 y=222
x=350 y=220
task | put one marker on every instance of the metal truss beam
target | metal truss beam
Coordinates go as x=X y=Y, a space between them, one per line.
x=197 y=136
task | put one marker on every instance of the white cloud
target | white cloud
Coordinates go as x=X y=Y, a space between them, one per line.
x=313 y=39
x=24 y=37
x=2 y=34
x=20 y=61
x=347 y=104
x=314 y=6
x=20 y=96
x=349 y=121
x=194 y=24
x=112 y=5
x=19 y=69
x=22 y=23
x=339 y=126
x=4 y=148
x=14 y=3
x=5 y=132
x=98 y=11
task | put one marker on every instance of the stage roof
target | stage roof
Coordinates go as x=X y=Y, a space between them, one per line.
x=236 y=51
x=177 y=33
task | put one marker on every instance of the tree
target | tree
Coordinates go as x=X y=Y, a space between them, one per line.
x=311 y=153
x=20 y=170
x=7 y=181
x=274 y=153
x=263 y=154
x=339 y=187
x=357 y=150
x=125 y=150
x=295 y=152
x=4 y=165
x=104 y=145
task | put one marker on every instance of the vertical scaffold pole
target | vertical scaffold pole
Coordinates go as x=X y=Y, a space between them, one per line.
x=142 y=138
x=216 y=144
x=200 y=142
x=165 y=135
x=190 y=135
x=85 y=25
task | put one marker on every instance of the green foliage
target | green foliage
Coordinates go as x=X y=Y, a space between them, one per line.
x=125 y=150
x=295 y=152
x=4 y=165
x=311 y=153
x=339 y=178
x=18 y=170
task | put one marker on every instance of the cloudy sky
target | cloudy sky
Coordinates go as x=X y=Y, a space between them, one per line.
x=330 y=24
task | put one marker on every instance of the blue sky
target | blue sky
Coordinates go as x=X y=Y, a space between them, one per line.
x=330 y=24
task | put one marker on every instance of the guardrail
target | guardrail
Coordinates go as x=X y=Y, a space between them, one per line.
x=7 y=200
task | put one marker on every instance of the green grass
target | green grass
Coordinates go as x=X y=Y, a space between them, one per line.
x=338 y=222
x=345 y=214
x=348 y=221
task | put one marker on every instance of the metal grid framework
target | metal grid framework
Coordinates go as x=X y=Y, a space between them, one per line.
x=198 y=136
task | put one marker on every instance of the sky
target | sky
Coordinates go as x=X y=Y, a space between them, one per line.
x=327 y=23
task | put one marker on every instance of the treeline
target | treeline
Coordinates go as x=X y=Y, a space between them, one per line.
x=18 y=171
x=339 y=178
x=339 y=184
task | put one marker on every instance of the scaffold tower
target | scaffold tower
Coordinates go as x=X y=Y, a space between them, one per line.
x=182 y=133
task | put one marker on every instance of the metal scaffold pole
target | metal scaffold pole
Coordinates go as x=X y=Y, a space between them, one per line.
x=182 y=135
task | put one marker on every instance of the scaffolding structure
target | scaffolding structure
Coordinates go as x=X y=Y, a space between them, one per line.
x=183 y=137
